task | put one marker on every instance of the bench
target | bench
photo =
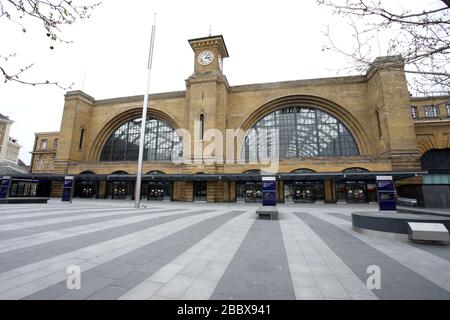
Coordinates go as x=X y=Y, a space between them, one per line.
x=428 y=232
x=24 y=200
x=267 y=212
x=407 y=201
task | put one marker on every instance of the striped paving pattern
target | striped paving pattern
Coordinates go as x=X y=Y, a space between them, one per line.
x=207 y=251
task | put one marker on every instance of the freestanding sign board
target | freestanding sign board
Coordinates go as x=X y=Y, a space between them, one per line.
x=269 y=189
x=386 y=193
x=67 y=189
x=4 y=187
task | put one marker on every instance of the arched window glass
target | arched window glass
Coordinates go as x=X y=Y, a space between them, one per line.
x=161 y=142
x=303 y=132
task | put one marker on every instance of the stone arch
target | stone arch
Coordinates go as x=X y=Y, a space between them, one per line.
x=87 y=172
x=428 y=142
x=120 y=119
x=328 y=106
x=119 y=172
x=257 y=171
x=302 y=170
x=155 y=172
x=355 y=169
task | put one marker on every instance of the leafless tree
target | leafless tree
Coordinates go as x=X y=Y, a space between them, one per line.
x=422 y=40
x=51 y=15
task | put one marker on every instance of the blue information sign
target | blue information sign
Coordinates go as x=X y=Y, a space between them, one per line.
x=67 y=189
x=386 y=193
x=269 y=189
x=4 y=187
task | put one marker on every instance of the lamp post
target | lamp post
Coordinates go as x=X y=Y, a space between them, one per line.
x=137 y=191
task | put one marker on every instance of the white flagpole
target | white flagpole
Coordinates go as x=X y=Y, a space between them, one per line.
x=137 y=192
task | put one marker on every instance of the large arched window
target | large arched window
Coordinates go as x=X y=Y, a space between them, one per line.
x=160 y=142
x=436 y=160
x=303 y=132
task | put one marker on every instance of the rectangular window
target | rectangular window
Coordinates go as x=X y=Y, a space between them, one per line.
x=378 y=123
x=39 y=163
x=55 y=144
x=43 y=145
x=431 y=111
x=202 y=126
x=80 y=145
x=447 y=108
x=414 y=112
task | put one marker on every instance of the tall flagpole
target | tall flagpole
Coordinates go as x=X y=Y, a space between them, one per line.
x=137 y=192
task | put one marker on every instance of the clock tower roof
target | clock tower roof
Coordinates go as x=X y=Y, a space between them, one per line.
x=209 y=42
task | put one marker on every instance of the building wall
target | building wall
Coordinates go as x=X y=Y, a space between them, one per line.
x=432 y=132
x=5 y=126
x=12 y=151
x=43 y=157
x=374 y=107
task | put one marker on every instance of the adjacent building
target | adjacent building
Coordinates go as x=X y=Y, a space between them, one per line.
x=9 y=147
x=11 y=165
x=335 y=135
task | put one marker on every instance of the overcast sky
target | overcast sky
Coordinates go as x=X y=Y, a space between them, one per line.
x=267 y=41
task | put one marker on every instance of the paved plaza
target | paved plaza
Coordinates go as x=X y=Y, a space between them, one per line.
x=208 y=251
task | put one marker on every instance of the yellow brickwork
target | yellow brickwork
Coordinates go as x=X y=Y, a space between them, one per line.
x=375 y=108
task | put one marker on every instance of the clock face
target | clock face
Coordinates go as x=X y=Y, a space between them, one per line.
x=205 y=57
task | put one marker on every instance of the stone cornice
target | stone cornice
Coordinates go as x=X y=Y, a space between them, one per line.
x=154 y=96
x=48 y=133
x=207 y=77
x=78 y=94
x=208 y=42
x=298 y=83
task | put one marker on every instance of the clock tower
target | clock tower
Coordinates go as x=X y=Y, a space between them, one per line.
x=207 y=95
x=209 y=54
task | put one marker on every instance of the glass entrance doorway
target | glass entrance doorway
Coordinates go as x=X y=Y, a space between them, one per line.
x=200 y=188
x=85 y=189
x=121 y=190
x=248 y=192
x=352 y=192
x=157 y=191
x=303 y=192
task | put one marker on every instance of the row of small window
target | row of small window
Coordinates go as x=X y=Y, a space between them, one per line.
x=44 y=143
x=430 y=111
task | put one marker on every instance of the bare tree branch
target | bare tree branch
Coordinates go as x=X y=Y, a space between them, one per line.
x=422 y=40
x=51 y=14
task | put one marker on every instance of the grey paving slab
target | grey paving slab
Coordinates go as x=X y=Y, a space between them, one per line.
x=259 y=269
x=4 y=235
x=340 y=215
x=23 y=256
x=439 y=250
x=62 y=214
x=162 y=251
x=397 y=281
x=109 y=293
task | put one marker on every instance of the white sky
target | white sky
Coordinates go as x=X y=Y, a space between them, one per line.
x=267 y=41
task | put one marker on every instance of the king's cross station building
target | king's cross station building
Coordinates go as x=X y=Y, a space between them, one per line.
x=334 y=136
